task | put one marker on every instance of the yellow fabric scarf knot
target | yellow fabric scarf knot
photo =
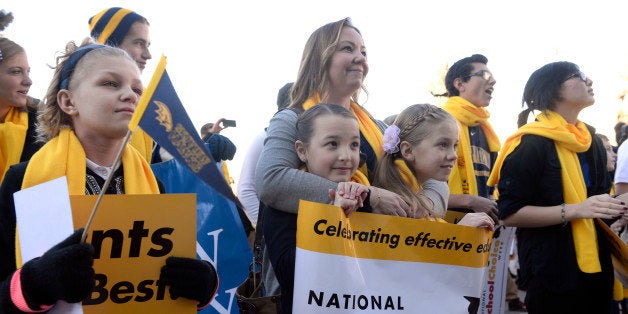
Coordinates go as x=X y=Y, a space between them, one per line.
x=368 y=127
x=466 y=115
x=569 y=140
x=12 y=138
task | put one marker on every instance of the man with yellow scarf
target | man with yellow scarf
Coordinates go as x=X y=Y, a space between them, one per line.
x=84 y=120
x=470 y=87
x=551 y=177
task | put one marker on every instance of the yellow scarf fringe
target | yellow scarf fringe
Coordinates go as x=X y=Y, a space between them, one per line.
x=12 y=138
x=467 y=114
x=569 y=140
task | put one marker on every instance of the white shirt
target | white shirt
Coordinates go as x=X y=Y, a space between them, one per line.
x=621 y=170
x=246 y=184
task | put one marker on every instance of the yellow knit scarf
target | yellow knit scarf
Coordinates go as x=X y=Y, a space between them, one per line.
x=64 y=155
x=368 y=127
x=467 y=114
x=12 y=137
x=569 y=140
x=143 y=143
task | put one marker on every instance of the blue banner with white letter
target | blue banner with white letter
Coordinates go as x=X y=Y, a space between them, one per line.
x=220 y=237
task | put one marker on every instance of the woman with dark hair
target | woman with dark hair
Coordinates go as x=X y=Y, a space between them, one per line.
x=551 y=177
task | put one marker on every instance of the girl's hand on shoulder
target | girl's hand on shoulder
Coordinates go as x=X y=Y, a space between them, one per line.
x=389 y=203
x=478 y=220
x=601 y=206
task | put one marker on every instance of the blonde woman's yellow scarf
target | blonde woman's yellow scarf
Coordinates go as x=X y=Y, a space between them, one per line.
x=368 y=127
x=12 y=137
x=569 y=140
x=143 y=143
x=467 y=114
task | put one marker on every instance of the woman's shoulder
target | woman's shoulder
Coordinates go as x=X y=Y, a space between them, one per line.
x=287 y=114
x=536 y=140
x=14 y=176
x=533 y=146
x=283 y=121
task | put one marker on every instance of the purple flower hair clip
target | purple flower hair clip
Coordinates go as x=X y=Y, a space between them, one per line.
x=391 y=139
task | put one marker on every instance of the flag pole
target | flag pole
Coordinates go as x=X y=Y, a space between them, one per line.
x=116 y=163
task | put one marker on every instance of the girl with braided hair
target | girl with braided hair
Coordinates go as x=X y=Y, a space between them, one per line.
x=421 y=145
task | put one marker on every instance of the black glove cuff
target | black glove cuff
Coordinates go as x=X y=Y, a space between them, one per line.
x=36 y=286
x=213 y=278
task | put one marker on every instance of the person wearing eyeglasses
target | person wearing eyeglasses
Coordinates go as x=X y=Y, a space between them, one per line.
x=551 y=176
x=470 y=86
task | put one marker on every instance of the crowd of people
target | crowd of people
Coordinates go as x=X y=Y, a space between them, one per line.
x=552 y=179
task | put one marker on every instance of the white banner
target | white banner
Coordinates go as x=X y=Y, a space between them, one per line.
x=378 y=264
x=494 y=295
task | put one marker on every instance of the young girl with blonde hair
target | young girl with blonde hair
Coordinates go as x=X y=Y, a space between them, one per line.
x=421 y=145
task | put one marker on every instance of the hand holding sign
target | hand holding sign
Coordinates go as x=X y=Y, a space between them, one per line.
x=190 y=278
x=64 y=272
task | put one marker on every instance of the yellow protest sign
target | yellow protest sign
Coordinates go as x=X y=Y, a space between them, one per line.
x=132 y=236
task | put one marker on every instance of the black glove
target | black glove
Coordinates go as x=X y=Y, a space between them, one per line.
x=221 y=147
x=63 y=273
x=190 y=278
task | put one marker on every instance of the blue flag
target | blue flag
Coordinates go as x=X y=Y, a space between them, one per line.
x=161 y=115
x=219 y=232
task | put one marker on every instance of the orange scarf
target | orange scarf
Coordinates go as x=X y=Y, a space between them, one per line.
x=143 y=143
x=569 y=140
x=468 y=114
x=408 y=176
x=12 y=138
x=64 y=155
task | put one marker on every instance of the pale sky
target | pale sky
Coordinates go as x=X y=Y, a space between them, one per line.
x=229 y=58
